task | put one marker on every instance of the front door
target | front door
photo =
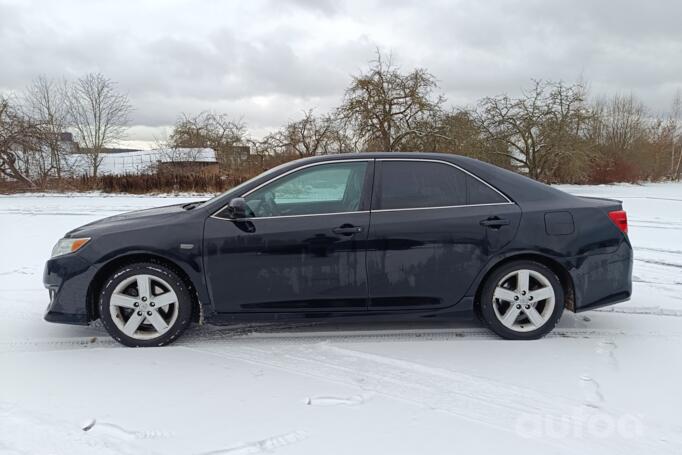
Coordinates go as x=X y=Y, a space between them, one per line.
x=433 y=228
x=302 y=246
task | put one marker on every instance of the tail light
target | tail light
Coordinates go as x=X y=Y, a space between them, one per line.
x=620 y=219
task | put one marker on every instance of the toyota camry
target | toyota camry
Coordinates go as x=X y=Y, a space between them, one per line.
x=374 y=236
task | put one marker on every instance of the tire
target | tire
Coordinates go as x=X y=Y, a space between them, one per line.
x=145 y=304
x=520 y=308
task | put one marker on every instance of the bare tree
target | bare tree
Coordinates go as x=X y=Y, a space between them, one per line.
x=209 y=130
x=621 y=132
x=309 y=136
x=19 y=136
x=343 y=138
x=624 y=123
x=456 y=132
x=99 y=115
x=44 y=102
x=386 y=107
x=675 y=131
x=539 y=129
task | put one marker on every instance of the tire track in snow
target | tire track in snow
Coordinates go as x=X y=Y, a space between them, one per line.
x=56 y=344
x=476 y=399
x=658 y=250
x=26 y=270
x=266 y=445
x=646 y=311
x=306 y=333
x=659 y=262
x=279 y=335
x=654 y=225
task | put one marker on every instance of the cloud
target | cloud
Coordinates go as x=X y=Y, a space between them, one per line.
x=266 y=60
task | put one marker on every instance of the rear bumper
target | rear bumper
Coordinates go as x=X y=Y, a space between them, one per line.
x=603 y=279
x=67 y=279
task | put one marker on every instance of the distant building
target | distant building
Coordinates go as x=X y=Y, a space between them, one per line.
x=137 y=162
x=67 y=144
x=118 y=150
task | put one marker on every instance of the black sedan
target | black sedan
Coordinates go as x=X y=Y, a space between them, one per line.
x=377 y=235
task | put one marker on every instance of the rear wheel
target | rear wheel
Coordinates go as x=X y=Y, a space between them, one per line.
x=145 y=304
x=522 y=300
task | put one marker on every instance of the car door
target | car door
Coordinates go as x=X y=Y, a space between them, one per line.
x=433 y=227
x=302 y=246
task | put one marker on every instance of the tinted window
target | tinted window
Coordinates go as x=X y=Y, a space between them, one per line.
x=480 y=193
x=414 y=184
x=326 y=188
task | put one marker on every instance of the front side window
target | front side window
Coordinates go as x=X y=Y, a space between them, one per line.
x=324 y=188
x=415 y=184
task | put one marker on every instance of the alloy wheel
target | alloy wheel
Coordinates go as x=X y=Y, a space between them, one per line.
x=143 y=306
x=524 y=300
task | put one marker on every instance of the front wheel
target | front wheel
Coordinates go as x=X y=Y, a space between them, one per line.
x=522 y=300
x=145 y=304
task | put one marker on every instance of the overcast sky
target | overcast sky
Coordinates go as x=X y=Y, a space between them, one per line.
x=265 y=61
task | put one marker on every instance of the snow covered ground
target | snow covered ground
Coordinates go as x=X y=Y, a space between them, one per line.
x=604 y=382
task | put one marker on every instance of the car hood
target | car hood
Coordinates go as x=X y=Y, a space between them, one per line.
x=131 y=220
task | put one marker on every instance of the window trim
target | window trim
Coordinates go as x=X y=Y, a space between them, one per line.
x=431 y=160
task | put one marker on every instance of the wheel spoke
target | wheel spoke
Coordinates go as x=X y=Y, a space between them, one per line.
x=133 y=323
x=123 y=301
x=522 y=283
x=511 y=316
x=144 y=286
x=504 y=294
x=534 y=317
x=158 y=322
x=165 y=299
x=542 y=294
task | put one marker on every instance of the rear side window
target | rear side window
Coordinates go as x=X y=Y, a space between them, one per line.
x=480 y=193
x=415 y=184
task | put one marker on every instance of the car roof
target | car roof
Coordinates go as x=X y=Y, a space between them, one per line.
x=515 y=186
x=379 y=155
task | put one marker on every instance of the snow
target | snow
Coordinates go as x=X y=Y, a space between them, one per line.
x=603 y=382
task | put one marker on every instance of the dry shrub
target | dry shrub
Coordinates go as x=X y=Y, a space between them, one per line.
x=614 y=172
x=166 y=181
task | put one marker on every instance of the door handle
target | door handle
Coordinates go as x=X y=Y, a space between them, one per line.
x=494 y=222
x=347 y=229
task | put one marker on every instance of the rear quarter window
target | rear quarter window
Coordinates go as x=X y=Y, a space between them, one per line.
x=480 y=193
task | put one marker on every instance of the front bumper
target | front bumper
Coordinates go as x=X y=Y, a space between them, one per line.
x=603 y=279
x=67 y=278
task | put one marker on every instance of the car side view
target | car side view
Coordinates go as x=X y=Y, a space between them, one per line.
x=372 y=236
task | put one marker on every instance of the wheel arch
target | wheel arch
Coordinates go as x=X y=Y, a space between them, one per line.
x=556 y=267
x=107 y=269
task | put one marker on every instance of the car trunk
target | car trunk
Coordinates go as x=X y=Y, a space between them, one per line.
x=607 y=205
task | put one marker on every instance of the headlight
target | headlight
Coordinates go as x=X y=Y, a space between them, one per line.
x=65 y=246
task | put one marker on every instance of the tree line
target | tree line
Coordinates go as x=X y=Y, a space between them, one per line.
x=32 y=125
x=552 y=131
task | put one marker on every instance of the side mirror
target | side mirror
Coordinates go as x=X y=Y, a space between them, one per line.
x=237 y=208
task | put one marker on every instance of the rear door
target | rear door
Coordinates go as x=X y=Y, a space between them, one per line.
x=433 y=227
